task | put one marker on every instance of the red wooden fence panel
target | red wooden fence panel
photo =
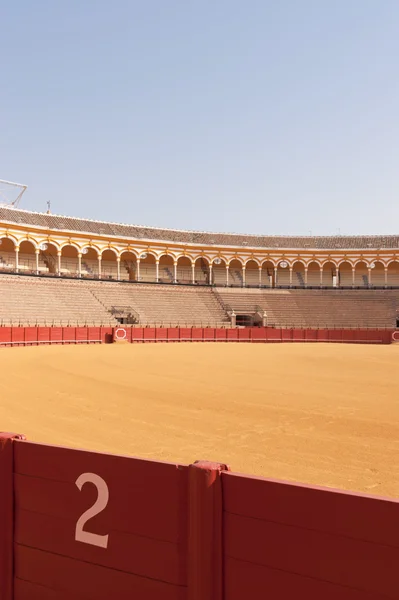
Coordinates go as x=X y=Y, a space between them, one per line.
x=149 y=334
x=231 y=334
x=311 y=335
x=18 y=335
x=197 y=334
x=56 y=334
x=220 y=335
x=209 y=334
x=373 y=335
x=298 y=335
x=161 y=334
x=69 y=335
x=348 y=335
x=283 y=541
x=94 y=334
x=43 y=335
x=132 y=543
x=185 y=334
x=258 y=335
x=271 y=334
x=5 y=335
x=30 y=336
x=244 y=335
x=173 y=334
x=81 y=334
x=137 y=334
x=286 y=335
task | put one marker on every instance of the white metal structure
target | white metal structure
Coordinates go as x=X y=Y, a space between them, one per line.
x=11 y=193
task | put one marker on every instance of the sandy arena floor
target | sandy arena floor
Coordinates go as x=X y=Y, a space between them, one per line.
x=323 y=414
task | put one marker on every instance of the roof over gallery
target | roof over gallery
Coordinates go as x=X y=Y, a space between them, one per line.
x=12 y=216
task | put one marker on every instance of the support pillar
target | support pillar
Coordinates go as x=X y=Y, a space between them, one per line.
x=260 y=276
x=243 y=276
x=79 y=265
x=386 y=276
x=369 y=277
x=205 y=531
x=321 y=277
x=157 y=271
x=138 y=270
x=175 y=272
x=118 y=268
x=275 y=276
x=291 y=272
x=306 y=277
x=353 y=276
x=227 y=275
x=99 y=267
x=193 y=272
x=16 y=259
x=37 y=261
x=210 y=274
x=337 y=281
x=59 y=263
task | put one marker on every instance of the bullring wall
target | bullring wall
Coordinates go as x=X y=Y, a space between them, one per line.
x=91 y=526
x=32 y=336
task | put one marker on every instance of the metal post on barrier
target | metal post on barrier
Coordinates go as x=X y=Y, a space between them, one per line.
x=205 y=558
x=7 y=513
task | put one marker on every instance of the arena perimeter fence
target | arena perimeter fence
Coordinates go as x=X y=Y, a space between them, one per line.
x=35 y=336
x=91 y=526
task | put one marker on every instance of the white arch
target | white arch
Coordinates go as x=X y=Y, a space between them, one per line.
x=130 y=251
x=269 y=260
x=330 y=261
x=72 y=244
x=360 y=261
x=30 y=240
x=179 y=256
x=237 y=259
x=111 y=250
x=9 y=237
x=315 y=261
x=253 y=259
x=345 y=260
x=168 y=255
x=97 y=250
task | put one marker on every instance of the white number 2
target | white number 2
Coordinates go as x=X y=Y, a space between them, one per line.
x=102 y=500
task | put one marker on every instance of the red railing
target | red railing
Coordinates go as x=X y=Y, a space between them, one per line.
x=86 y=525
x=34 y=336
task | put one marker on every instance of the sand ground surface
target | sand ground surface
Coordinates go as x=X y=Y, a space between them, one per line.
x=323 y=414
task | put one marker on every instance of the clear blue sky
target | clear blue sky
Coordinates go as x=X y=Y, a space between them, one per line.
x=262 y=116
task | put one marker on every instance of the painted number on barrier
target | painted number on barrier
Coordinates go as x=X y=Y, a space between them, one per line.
x=102 y=500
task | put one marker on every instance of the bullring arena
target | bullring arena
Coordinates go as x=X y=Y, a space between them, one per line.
x=273 y=358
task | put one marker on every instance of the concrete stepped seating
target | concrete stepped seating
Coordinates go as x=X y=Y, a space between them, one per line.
x=31 y=300
x=318 y=308
x=158 y=304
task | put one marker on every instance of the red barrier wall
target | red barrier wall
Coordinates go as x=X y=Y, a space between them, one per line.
x=91 y=526
x=289 y=541
x=27 y=336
